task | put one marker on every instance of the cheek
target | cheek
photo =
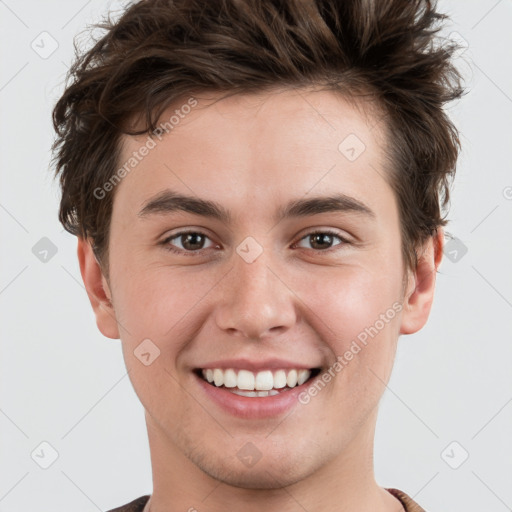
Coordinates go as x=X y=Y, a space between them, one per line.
x=358 y=317
x=351 y=299
x=162 y=304
x=153 y=309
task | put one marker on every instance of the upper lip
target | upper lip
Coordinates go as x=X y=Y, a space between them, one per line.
x=253 y=365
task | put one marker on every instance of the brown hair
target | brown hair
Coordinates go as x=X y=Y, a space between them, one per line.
x=163 y=50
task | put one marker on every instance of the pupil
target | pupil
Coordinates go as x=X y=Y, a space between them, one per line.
x=321 y=237
x=190 y=239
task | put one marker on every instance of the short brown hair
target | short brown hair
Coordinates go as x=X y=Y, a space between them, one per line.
x=162 y=50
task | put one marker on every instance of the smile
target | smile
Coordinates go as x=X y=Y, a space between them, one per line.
x=257 y=384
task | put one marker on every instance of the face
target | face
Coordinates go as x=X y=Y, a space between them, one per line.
x=266 y=278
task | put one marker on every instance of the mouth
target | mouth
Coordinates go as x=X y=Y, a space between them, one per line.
x=264 y=383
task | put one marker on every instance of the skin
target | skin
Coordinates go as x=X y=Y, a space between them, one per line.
x=252 y=154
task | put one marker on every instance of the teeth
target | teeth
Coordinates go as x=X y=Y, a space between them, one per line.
x=245 y=380
x=270 y=392
x=230 y=379
x=303 y=376
x=291 y=378
x=245 y=393
x=263 y=383
x=280 y=379
x=264 y=380
x=218 y=377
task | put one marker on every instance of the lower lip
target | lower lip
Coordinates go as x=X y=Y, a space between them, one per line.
x=253 y=407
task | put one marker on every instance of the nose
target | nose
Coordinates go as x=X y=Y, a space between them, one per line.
x=255 y=300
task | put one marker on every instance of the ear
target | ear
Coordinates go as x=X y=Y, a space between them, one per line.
x=97 y=289
x=420 y=289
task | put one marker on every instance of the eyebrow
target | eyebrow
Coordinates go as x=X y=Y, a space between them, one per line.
x=169 y=201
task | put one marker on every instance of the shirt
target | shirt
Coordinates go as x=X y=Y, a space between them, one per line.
x=409 y=505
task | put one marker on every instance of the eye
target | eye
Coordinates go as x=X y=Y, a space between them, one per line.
x=321 y=240
x=190 y=241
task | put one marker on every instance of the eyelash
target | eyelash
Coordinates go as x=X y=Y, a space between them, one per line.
x=169 y=247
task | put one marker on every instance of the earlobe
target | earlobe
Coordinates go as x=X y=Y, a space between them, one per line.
x=420 y=291
x=97 y=290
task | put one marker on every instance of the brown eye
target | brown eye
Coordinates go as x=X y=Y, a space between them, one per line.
x=186 y=241
x=323 y=240
x=192 y=241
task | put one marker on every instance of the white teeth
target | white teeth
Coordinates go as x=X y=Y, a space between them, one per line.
x=291 y=378
x=253 y=394
x=218 y=377
x=245 y=380
x=303 y=376
x=265 y=382
x=280 y=379
x=270 y=392
x=230 y=379
x=245 y=393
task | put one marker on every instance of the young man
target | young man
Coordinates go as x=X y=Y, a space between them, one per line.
x=256 y=187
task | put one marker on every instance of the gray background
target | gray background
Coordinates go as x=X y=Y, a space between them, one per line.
x=66 y=385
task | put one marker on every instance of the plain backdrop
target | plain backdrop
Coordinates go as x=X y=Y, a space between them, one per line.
x=444 y=431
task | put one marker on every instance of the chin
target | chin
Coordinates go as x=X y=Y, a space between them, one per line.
x=268 y=473
x=251 y=478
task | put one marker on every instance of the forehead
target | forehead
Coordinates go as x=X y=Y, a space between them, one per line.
x=263 y=147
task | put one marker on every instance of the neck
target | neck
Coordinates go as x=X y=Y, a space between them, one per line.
x=345 y=483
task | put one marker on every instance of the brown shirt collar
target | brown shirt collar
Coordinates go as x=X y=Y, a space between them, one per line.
x=138 y=504
x=406 y=501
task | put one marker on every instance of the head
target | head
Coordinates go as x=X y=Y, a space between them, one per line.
x=308 y=135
